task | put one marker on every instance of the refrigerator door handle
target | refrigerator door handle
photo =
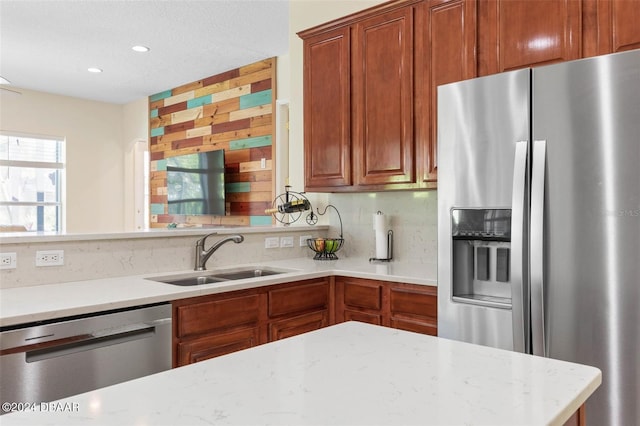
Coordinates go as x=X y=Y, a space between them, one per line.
x=537 y=247
x=519 y=228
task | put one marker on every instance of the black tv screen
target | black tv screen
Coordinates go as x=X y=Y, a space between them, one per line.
x=195 y=184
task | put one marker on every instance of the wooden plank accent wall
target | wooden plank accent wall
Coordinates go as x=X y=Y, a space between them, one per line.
x=233 y=111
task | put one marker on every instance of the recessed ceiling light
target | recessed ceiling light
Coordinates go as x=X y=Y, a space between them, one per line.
x=93 y=69
x=140 y=48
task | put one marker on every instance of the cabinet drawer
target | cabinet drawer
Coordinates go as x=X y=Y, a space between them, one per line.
x=362 y=295
x=217 y=314
x=306 y=296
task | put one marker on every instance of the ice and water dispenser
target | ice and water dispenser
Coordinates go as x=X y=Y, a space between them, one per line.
x=481 y=241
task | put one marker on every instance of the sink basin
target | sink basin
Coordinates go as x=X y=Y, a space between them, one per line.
x=247 y=273
x=208 y=277
x=189 y=280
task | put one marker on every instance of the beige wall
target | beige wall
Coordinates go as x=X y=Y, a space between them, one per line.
x=135 y=131
x=94 y=134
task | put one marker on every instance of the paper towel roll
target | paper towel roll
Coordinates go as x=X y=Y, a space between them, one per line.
x=380 y=228
x=379 y=222
x=381 y=245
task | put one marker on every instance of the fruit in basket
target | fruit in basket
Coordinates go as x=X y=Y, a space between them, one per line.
x=330 y=245
x=320 y=244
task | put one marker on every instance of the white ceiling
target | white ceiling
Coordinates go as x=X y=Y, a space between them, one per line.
x=48 y=45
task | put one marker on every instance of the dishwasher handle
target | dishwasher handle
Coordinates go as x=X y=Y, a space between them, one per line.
x=97 y=340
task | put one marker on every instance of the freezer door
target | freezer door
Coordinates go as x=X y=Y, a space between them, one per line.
x=585 y=270
x=483 y=130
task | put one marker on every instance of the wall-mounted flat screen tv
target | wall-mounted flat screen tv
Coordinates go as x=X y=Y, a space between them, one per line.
x=195 y=184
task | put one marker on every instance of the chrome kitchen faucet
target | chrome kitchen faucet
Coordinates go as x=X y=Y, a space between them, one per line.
x=203 y=255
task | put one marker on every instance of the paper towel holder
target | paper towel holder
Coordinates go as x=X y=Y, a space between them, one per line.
x=389 y=249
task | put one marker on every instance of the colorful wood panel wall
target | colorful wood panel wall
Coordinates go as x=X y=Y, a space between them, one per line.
x=233 y=111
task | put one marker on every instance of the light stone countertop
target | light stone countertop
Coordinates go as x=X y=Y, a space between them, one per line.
x=348 y=374
x=45 y=302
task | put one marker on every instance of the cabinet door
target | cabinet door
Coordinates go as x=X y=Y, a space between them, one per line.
x=358 y=300
x=382 y=82
x=611 y=26
x=298 y=309
x=196 y=350
x=327 y=110
x=445 y=46
x=521 y=33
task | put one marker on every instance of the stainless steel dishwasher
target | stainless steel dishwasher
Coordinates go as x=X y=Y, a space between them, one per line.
x=44 y=361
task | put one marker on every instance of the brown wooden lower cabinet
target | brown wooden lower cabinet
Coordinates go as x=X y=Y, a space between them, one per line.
x=359 y=300
x=209 y=326
x=298 y=309
x=404 y=306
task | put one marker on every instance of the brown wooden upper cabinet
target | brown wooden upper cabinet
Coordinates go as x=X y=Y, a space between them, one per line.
x=516 y=34
x=370 y=93
x=521 y=33
x=448 y=54
x=327 y=109
x=610 y=26
x=362 y=108
x=371 y=78
x=382 y=87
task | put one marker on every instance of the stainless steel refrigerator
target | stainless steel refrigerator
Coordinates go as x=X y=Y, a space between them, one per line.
x=539 y=219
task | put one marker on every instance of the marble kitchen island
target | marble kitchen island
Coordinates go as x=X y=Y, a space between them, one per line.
x=348 y=374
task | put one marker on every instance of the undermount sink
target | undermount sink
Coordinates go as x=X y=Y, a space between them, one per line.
x=208 y=277
x=247 y=273
x=189 y=280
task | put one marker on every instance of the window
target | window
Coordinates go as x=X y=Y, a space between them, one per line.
x=31 y=183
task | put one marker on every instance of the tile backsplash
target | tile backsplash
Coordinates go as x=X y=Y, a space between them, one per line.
x=411 y=215
x=88 y=259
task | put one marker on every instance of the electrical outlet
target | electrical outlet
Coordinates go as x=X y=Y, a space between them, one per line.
x=303 y=240
x=8 y=260
x=49 y=257
x=286 y=241
x=271 y=242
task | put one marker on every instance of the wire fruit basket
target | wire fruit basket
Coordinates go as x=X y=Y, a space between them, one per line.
x=325 y=248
